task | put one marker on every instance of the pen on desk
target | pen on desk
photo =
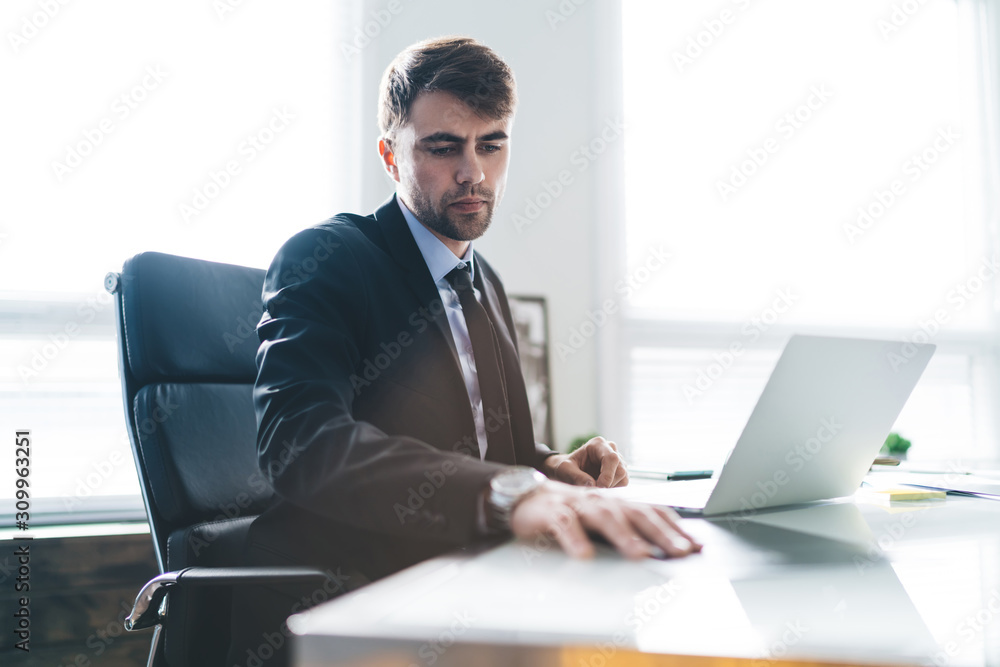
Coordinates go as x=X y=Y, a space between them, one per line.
x=675 y=476
x=689 y=474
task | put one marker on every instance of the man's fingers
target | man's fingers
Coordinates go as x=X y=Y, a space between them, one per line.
x=568 y=471
x=674 y=520
x=571 y=536
x=661 y=533
x=600 y=458
x=608 y=519
x=612 y=470
x=568 y=514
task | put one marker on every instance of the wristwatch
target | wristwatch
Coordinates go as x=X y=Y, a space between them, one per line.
x=509 y=488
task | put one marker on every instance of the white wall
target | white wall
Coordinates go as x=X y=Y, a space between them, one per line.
x=568 y=92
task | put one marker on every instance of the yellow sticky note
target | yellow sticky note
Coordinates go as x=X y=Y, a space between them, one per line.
x=910 y=493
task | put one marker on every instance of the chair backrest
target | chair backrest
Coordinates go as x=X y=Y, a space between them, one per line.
x=187 y=346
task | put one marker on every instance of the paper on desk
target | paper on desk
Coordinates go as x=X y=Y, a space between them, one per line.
x=975 y=484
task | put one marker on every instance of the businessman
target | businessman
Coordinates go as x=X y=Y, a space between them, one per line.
x=393 y=421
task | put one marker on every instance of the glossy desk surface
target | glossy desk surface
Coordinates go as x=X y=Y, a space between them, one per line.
x=843 y=582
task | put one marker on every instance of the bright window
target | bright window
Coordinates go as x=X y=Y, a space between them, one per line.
x=814 y=168
x=200 y=129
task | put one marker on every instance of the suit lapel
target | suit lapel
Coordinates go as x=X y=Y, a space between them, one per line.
x=404 y=250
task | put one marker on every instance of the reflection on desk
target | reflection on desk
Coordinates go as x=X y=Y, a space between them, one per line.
x=843 y=582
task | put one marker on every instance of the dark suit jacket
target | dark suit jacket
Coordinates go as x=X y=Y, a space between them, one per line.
x=364 y=423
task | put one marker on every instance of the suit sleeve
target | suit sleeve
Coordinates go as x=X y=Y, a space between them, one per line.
x=310 y=447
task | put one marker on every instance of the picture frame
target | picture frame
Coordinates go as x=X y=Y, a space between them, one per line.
x=530 y=316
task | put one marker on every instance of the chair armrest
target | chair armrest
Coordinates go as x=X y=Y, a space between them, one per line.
x=146 y=609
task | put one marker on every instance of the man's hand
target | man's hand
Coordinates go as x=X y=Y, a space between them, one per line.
x=567 y=513
x=596 y=463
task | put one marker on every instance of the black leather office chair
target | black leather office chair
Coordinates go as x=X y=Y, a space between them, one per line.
x=187 y=342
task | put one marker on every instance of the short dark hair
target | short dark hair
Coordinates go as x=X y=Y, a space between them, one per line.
x=470 y=71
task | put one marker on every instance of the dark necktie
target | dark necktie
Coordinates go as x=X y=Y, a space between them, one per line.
x=489 y=368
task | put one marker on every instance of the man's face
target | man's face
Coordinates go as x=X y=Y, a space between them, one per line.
x=451 y=165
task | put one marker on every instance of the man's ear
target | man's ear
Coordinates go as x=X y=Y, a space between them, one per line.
x=388 y=159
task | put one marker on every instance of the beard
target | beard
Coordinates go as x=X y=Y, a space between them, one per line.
x=452 y=224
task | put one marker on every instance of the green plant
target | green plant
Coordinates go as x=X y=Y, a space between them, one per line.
x=895 y=444
x=578 y=442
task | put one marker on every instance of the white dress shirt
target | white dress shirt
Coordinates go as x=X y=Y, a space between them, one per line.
x=440 y=262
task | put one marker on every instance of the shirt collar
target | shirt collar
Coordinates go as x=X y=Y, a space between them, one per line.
x=439 y=258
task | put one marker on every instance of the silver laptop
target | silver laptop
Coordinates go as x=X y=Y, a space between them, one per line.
x=820 y=421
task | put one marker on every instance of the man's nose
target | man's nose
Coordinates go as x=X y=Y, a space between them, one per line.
x=470 y=170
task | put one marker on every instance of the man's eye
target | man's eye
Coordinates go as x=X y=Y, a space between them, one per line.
x=492 y=148
x=442 y=151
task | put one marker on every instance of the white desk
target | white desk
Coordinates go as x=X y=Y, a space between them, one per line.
x=847 y=582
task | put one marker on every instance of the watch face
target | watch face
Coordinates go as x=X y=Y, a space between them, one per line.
x=507 y=489
x=518 y=481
